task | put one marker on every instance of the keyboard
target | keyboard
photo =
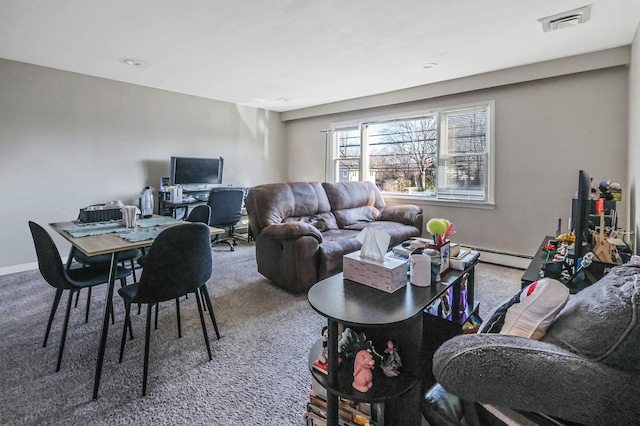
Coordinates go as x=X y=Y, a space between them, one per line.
x=203 y=197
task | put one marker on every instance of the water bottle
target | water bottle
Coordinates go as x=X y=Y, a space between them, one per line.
x=146 y=202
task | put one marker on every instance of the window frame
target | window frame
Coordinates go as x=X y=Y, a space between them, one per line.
x=360 y=125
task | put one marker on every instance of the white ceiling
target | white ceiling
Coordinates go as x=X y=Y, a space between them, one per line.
x=289 y=54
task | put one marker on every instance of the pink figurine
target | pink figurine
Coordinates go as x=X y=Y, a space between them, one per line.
x=362 y=376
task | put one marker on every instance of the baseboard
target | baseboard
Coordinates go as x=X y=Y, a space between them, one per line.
x=13 y=269
x=511 y=260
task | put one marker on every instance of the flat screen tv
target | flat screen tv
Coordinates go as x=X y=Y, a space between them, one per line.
x=196 y=174
x=580 y=216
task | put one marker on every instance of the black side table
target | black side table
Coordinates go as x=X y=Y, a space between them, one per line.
x=381 y=316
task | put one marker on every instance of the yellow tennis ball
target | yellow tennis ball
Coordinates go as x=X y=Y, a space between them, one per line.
x=436 y=226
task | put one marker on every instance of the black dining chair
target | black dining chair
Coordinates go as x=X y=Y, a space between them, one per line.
x=178 y=262
x=226 y=212
x=201 y=214
x=58 y=276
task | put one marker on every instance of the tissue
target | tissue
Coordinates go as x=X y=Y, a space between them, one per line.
x=374 y=244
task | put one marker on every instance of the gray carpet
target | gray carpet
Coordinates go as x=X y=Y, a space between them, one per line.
x=258 y=375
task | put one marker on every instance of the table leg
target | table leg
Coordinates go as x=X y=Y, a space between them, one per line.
x=105 y=322
x=332 y=366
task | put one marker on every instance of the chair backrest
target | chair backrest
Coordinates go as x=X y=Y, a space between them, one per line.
x=201 y=213
x=226 y=206
x=179 y=262
x=49 y=260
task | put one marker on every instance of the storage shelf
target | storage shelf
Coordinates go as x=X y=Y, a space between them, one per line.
x=383 y=388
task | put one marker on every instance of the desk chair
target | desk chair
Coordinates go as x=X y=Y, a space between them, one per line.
x=55 y=273
x=189 y=249
x=226 y=211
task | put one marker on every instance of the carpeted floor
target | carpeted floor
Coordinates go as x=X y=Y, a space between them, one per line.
x=259 y=372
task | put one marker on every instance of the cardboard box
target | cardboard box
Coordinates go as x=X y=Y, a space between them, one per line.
x=387 y=276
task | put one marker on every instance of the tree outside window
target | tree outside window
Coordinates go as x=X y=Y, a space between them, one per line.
x=442 y=155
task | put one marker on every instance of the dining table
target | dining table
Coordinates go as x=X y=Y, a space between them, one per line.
x=112 y=237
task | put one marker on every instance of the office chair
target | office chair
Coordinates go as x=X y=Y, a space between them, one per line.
x=226 y=211
x=55 y=273
x=179 y=262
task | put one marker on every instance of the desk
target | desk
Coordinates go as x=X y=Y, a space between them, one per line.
x=102 y=244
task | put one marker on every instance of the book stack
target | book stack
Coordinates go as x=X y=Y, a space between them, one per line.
x=465 y=258
x=350 y=413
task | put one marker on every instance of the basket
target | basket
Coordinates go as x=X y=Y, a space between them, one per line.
x=88 y=216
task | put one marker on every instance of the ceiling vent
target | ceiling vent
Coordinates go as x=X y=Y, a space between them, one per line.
x=566 y=19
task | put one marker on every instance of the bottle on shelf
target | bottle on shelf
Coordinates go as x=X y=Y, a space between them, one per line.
x=146 y=202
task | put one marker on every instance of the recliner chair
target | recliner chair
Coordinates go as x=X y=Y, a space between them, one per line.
x=584 y=370
x=226 y=211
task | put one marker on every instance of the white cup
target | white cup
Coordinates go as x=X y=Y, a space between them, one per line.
x=129 y=216
x=420 y=271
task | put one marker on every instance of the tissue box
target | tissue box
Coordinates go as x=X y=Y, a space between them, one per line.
x=387 y=276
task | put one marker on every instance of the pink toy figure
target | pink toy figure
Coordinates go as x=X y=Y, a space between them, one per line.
x=362 y=376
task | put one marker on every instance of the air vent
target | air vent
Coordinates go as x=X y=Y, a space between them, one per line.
x=566 y=19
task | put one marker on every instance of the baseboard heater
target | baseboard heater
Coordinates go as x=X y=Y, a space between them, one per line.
x=513 y=260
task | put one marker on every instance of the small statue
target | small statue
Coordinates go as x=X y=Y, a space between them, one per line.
x=320 y=364
x=391 y=362
x=362 y=375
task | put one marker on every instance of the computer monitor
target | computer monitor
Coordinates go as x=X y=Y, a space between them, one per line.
x=196 y=174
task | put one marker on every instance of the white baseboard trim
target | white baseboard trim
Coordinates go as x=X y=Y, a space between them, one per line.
x=504 y=259
x=13 y=269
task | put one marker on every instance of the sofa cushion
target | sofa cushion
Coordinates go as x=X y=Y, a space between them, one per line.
x=322 y=221
x=346 y=195
x=601 y=322
x=363 y=214
x=530 y=312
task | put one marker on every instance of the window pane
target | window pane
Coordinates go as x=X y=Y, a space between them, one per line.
x=403 y=154
x=348 y=170
x=463 y=159
x=347 y=155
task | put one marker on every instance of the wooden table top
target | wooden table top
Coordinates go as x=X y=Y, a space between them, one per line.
x=109 y=243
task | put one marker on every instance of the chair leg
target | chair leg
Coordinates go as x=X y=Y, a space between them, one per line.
x=205 y=295
x=127 y=322
x=77 y=297
x=156 y=321
x=54 y=307
x=133 y=271
x=178 y=317
x=86 y=313
x=147 y=339
x=64 y=330
x=204 y=327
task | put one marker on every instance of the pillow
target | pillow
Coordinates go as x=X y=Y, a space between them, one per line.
x=530 y=312
x=602 y=322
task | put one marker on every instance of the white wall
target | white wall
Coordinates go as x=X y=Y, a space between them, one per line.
x=69 y=140
x=546 y=131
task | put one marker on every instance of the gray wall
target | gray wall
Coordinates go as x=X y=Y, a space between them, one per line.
x=69 y=140
x=634 y=139
x=546 y=130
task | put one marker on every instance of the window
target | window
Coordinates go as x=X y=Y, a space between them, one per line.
x=442 y=155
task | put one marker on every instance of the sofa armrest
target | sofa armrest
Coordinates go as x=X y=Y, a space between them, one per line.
x=530 y=375
x=407 y=214
x=291 y=231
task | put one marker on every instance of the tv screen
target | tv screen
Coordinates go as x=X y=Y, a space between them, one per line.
x=196 y=173
x=580 y=215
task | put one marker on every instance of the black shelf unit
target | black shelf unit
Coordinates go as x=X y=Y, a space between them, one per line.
x=399 y=317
